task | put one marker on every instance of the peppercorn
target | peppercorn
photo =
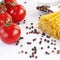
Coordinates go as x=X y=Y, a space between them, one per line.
x=29 y=43
x=36 y=57
x=34 y=39
x=43 y=34
x=21 y=37
x=41 y=47
x=40 y=38
x=21 y=45
x=30 y=56
x=22 y=51
x=17 y=42
x=47 y=53
x=25 y=2
x=48 y=36
x=26 y=52
x=54 y=43
x=58 y=51
x=26 y=27
x=32 y=27
x=32 y=49
x=45 y=40
x=31 y=23
x=48 y=46
x=24 y=21
x=29 y=27
x=54 y=40
x=54 y=48
x=48 y=41
x=51 y=43
x=40 y=42
x=52 y=51
x=18 y=23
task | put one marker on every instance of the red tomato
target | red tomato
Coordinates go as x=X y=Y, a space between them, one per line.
x=10 y=3
x=5 y=18
x=10 y=33
x=18 y=13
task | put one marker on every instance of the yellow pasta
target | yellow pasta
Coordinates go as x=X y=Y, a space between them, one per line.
x=50 y=24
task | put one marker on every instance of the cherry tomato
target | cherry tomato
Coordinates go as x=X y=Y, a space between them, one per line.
x=4 y=18
x=10 y=3
x=18 y=13
x=10 y=33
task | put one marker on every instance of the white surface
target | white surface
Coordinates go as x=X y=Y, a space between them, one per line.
x=10 y=52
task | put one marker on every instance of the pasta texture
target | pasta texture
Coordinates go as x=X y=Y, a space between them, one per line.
x=50 y=24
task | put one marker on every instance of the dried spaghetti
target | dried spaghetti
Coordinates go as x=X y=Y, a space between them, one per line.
x=50 y=24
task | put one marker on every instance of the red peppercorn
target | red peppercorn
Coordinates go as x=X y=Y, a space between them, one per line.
x=26 y=27
x=26 y=32
x=52 y=51
x=32 y=54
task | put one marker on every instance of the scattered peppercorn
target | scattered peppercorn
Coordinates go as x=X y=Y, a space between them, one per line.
x=25 y=2
x=45 y=40
x=26 y=52
x=36 y=57
x=54 y=43
x=31 y=31
x=17 y=42
x=41 y=47
x=35 y=30
x=22 y=51
x=30 y=56
x=44 y=8
x=35 y=50
x=43 y=34
x=31 y=23
x=32 y=49
x=52 y=51
x=48 y=41
x=21 y=45
x=26 y=32
x=32 y=27
x=40 y=42
x=26 y=27
x=24 y=21
x=54 y=40
x=48 y=46
x=21 y=38
x=51 y=43
x=58 y=51
x=47 y=53
x=54 y=48
x=40 y=38
x=48 y=36
x=29 y=43
x=29 y=27
x=34 y=39
x=18 y=23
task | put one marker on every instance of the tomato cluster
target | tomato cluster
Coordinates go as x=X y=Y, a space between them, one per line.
x=10 y=13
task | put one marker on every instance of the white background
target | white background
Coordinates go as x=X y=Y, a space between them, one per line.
x=10 y=52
